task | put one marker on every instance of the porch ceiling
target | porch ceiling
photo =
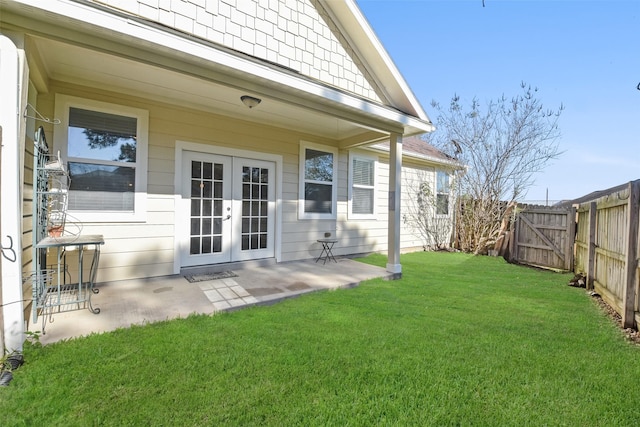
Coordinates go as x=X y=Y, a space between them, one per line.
x=69 y=63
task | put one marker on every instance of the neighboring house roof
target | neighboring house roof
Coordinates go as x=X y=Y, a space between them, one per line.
x=591 y=196
x=417 y=148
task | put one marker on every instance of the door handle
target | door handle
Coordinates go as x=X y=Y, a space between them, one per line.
x=228 y=217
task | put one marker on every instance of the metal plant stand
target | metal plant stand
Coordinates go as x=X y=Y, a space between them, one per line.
x=53 y=287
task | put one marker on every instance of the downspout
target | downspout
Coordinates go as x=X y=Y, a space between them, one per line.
x=13 y=73
x=393 y=235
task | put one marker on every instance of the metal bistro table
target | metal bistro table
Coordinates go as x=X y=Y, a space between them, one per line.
x=51 y=291
x=327 y=247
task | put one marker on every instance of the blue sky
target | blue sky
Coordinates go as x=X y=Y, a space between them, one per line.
x=584 y=54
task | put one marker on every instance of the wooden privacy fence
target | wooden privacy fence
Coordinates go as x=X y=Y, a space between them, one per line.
x=543 y=236
x=606 y=249
x=598 y=239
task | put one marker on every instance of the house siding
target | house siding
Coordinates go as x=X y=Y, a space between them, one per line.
x=146 y=249
x=296 y=34
x=412 y=175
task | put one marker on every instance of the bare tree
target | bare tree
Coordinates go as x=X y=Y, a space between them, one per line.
x=504 y=144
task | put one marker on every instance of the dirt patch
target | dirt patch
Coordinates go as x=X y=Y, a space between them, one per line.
x=630 y=334
x=298 y=286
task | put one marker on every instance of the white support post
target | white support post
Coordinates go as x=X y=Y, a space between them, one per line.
x=393 y=235
x=13 y=87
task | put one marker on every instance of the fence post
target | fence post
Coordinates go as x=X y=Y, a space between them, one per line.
x=591 y=257
x=631 y=258
x=513 y=244
x=571 y=239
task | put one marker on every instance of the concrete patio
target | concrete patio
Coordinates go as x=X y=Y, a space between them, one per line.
x=141 y=301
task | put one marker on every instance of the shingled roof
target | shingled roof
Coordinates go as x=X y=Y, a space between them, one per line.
x=414 y=146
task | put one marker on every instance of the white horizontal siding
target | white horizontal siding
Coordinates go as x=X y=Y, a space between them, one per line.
x=142 y=249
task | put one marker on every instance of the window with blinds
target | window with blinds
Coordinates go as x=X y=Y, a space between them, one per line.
x=442 y=193
x=362 y=180
x=102 y=159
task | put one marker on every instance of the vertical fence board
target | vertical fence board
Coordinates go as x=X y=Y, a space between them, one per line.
x=629 y=283
x=591 y=242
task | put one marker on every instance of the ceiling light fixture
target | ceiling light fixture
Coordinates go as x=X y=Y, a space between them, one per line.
x=250 y=101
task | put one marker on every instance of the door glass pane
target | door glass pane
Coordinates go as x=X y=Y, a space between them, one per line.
x=217 y=244
x=195 y=207
x=206 y=189
x=194 y=246
x=217 y=171
x=195 y=188
x=217 y=190
x=206 y=207
x=195 y=226
x=206 y=172
x=206 y=245
x=254 y=212
x=196 y=169
x=206 y=225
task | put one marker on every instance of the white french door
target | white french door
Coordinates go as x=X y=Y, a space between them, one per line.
x=229 y=204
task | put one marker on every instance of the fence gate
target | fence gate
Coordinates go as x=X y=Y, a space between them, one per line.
x=544 y=236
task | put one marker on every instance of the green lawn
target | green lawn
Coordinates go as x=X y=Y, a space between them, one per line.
x=460 y=340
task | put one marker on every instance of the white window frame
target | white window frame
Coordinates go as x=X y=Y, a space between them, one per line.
x=374 y=160
x=60 y=138
x=448 y=193
x=334 y=184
